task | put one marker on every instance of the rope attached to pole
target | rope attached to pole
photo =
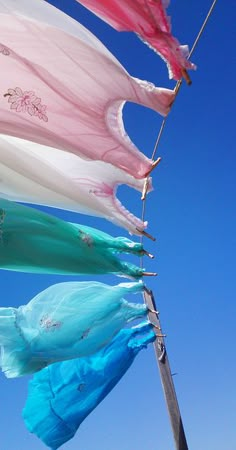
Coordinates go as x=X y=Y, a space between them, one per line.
x=159 y=344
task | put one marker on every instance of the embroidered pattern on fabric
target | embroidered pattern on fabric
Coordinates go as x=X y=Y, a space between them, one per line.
x=26 y=101
x=86 y=238
x=48 y=324
x=2 y=217
x=98 y=189
x=85 y=334
x=4 y=50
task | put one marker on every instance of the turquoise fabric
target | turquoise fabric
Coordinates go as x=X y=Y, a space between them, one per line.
x=33 y=241
x=62 y=395
x=67 y=320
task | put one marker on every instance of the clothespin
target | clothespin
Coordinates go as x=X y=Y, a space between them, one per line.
x=144 y=233
x=148 y=254
x=150 y=274
x=186 y=77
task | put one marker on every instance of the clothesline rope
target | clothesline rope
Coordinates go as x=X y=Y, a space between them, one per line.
x=149 y=300
x=177 y=88
x=179 y=83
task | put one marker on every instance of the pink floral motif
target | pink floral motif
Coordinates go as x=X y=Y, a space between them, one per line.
x=86 y=238
x=98 y=189
x=26 y=101
x=49 y=325
x=41 y=112
x=4 y=50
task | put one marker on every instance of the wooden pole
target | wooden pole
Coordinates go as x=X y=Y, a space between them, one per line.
x=166 y=377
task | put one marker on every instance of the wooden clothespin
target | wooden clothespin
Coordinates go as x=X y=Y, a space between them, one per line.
x=186 y=77
x=144 y=233
x=150 y=274
x=148 y=254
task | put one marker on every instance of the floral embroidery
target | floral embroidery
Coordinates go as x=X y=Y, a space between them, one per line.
x=4 y=50
x=86 y=238
x=49 y=324
x=98 y=189
x=26 y=101
x=2 y=217
x=85 y=334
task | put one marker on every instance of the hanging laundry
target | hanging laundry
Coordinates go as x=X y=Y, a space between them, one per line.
x=33 y=173
x=36 y=242
x=65 y=321
x=62 y=395
x=149 y=20
x=72 y=100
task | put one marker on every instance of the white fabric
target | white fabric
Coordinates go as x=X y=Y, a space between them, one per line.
x=33 y=173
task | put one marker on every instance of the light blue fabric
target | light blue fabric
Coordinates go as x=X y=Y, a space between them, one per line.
x=36 y=242
x=62 y=395
x=67 y=320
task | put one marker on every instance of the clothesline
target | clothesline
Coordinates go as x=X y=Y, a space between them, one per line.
x=177 y=88
x=149 y=300
x=68 y=232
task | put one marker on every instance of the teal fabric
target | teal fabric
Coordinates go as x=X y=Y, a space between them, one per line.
x=119 y=244
x=62 y=395
x=33 y=241
x=65 y=321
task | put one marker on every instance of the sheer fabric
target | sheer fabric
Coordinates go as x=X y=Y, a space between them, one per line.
x=67 y=320
x=61 y=396
x=36 y=242
x=32 y=173
x=149 y=20
x=65 y=90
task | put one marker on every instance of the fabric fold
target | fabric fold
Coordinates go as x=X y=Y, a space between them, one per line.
x=149 y=20
x=33 y=173
x=36 y=242
x=61 y=396
x=67 y=101
x=65 y=321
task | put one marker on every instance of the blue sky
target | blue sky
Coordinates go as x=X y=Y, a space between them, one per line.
x=192 y=214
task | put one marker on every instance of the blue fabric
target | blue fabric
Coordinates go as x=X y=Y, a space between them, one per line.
x=67 y=320
x=62 y=395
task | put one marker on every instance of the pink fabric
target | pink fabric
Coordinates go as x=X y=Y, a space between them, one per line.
x=148 y=19
x=62 y=91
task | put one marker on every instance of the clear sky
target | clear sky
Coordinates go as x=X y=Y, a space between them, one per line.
x=192 y=214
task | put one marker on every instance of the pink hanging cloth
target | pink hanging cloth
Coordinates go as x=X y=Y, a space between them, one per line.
x=149 y=20
x=59 y=86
